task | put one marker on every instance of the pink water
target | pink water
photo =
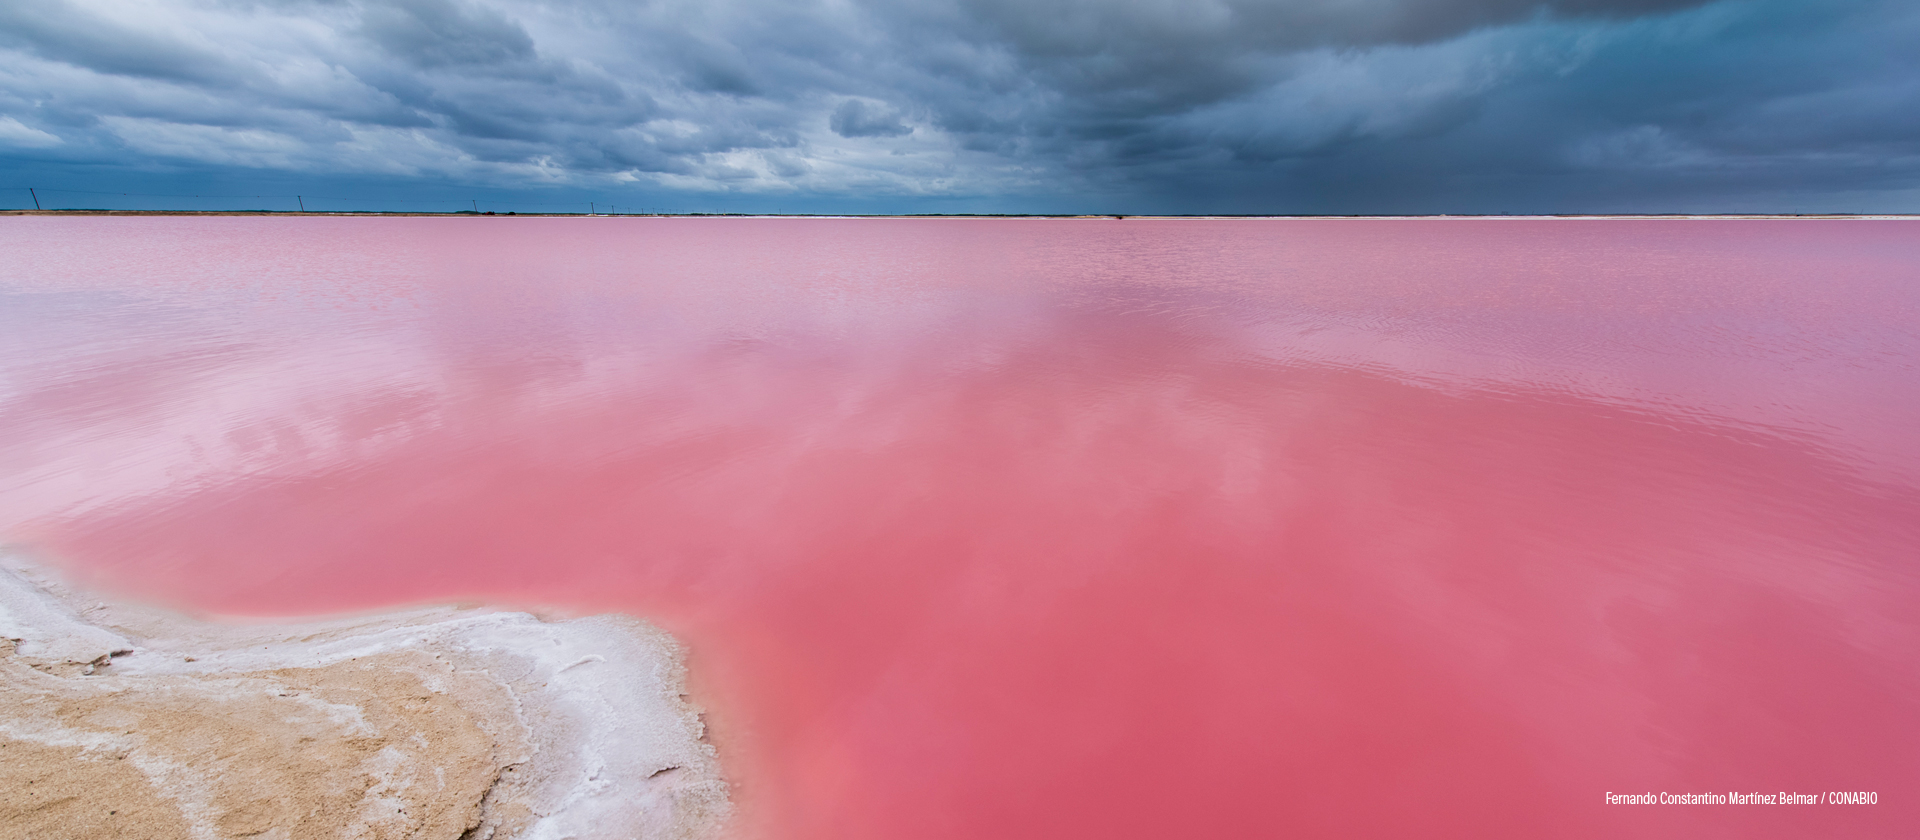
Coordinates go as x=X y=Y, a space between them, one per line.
x=1038 y=529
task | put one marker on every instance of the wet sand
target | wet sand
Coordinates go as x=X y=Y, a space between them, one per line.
x=118 y=721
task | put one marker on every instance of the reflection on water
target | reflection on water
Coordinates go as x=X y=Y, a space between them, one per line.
x=1057 y=528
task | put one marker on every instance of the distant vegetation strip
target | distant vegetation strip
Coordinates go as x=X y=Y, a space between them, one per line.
x=42 y=198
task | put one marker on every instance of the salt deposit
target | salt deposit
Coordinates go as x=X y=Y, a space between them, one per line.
x=121 y=721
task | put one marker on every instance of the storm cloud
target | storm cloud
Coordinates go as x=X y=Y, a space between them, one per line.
x=1249 y=106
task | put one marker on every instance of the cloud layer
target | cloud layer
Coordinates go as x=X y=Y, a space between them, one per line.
x=1095 y=105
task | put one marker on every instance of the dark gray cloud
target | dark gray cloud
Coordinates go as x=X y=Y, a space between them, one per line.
x=1122 y=105
x=439 y=33
x=67 y=33
x=1154 y=54
x=860 y=118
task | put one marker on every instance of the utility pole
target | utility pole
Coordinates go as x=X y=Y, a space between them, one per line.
x=36 y=198
x=303 y=202
x=476 y=205
x=590 y=210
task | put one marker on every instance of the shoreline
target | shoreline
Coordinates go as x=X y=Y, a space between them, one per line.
x=961 y=216
x=468 y=723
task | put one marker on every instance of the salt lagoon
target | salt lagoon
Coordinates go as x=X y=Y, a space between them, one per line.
x=1032 y=528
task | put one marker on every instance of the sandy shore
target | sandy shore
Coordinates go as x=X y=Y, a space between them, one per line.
x=122 y=722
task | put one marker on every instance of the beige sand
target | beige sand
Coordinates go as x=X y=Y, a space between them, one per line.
x=122 y=723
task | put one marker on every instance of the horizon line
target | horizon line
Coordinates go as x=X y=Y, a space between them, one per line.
x=1043 y=216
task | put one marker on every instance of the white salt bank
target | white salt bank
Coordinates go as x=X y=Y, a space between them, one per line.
x=464 y=724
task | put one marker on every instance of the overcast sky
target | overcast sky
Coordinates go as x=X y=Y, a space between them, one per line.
x=1101 y=106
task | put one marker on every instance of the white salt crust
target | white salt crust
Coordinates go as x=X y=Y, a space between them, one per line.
x=600 y=740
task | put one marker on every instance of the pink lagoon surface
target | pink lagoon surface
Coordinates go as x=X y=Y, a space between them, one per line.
x=1057 y=528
